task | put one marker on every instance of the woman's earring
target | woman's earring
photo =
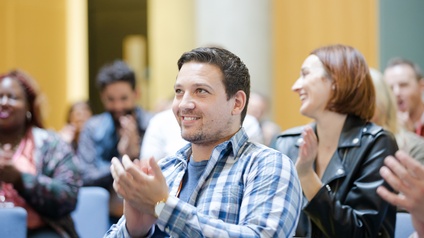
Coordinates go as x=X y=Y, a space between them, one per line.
x=333 y=87
x=28 y=115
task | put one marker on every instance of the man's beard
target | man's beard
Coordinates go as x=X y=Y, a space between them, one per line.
x=196 y=138
x=202 y=137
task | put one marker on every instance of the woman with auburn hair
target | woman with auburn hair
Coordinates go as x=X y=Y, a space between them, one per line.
x=338 y=156
x=37 y=168
x=79 y=112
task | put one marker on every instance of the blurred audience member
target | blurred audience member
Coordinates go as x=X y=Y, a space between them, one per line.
x=338 y=156
x=163 y=136
x=385 y=116
x=37 y=168
x=407 y=82
x=405 y=175
x=259 y=108
x=113 y=133
x=162 y=105
x=78 y=114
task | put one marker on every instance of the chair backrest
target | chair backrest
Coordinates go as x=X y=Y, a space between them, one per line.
x=91 y=216
x=13 y=222
x=404 y=227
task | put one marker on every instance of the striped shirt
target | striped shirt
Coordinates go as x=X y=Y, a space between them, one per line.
x=246 y=190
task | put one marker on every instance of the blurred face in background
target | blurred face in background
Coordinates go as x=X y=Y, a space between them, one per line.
x=257 y=106
x=405 y=86
x=13 y=105
x=119 y=99
x=79 y=114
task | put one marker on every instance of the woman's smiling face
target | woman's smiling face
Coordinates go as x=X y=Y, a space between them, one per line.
x=13 y=104
x=313 y=87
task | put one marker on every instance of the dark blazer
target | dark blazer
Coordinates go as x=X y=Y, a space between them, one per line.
x=347 y=204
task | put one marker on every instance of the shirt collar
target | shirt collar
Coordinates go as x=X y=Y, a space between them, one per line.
x=233 y=145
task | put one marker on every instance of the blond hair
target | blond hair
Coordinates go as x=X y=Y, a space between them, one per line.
x=386 y=107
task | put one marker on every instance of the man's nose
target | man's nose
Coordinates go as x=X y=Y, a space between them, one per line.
x=187 y=102
x=396 y=89
x=119 y=105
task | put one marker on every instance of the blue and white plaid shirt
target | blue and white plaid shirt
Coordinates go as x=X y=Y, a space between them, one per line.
x=247 y=190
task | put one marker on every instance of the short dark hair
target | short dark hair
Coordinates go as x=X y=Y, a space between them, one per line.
x=354 y=90
x=402 y=61
x=236 y=75
x=117 y=71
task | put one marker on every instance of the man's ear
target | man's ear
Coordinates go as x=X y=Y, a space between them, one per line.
x=239 y=102
x=137 y=93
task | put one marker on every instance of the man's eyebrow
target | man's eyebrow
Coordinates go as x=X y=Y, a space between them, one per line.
x=196 y=85
x=202 y=85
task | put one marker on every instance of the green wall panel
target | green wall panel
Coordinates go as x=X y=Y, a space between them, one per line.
x=401 y=30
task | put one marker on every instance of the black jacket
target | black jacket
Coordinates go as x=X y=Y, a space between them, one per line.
x=347 y=205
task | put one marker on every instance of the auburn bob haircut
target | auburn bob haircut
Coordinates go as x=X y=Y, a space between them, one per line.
x=353 y=92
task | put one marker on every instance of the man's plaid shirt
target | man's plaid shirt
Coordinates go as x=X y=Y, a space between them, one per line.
x=247 y=190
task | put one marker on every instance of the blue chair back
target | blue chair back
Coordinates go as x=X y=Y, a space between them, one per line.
x=91 y=216
x=13 y=222
x=404 y=227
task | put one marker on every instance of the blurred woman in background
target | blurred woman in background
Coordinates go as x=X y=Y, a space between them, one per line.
x=78 y=114
x=37 y=168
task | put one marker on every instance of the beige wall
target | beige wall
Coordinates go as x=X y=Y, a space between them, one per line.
x=76 y=51
x=244 y=28
x=34 y=37
x=170 y=32
x=301 y=26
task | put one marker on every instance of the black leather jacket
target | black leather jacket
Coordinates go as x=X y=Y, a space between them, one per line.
x=347 y=204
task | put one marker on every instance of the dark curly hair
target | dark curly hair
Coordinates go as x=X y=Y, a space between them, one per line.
x=117 y=71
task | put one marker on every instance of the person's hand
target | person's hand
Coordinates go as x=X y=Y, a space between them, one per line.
x=6 y=153
x=137 y=223
x=68 y=133
x=8 y=171
x=140 y=189
x=419 y=227
x=406 y=175
x=308 y=152
x=129 y=142
x=142 y=185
